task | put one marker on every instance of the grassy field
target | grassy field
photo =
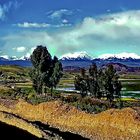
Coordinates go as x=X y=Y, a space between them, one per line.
x=130 y=76
x=75 y=103
x=66 y=93
x=130 y=82
x=14 y=71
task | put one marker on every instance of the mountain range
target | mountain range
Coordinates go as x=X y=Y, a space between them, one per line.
x=84 y=56
x=76 y=56
x=80 y=59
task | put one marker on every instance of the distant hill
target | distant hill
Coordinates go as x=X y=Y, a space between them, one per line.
x=123 y=68
x=3 y=59
x=22 y=63
x=118 y=66
x=132 y=62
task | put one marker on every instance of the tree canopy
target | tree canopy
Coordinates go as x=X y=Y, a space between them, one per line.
x=46 y=72
x=99 y=82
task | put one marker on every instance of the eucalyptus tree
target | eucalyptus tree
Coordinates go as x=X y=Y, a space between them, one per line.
x=46 y=72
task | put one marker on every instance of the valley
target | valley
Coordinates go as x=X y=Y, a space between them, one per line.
x=16 y=92
x=69 y=70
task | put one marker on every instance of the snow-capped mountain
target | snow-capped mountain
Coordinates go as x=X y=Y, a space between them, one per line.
x=4 y=57
x=76 y=56
x=24 y=58
x=123 y=55
x=79 y=59
x=84 y=56
x=12 y=58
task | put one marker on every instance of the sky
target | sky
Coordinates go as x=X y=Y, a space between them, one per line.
x=98 y=27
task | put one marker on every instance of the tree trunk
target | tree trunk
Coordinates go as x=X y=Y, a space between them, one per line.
x=51 y=90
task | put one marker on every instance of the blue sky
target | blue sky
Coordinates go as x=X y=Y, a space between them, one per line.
x=96 y=26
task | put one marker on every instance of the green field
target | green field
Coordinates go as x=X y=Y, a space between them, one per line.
x=130 y=82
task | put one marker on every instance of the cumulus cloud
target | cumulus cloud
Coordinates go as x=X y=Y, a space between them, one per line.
x=27 y=55
x=114 y=26
x=20 y=49
x=4 y=9
x=30 y=39
x=104 y=34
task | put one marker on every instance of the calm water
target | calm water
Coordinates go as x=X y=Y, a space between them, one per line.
x=131 y=88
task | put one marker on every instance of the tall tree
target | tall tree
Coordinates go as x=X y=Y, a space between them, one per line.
x=111 y=78
x=41 y=61
x=46 y=72
x=57 y=73
x=37 y=80
x=93 y=80
x=81 y=83
x=100 y=83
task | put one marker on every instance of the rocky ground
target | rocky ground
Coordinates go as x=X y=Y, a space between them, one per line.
x=56 y=120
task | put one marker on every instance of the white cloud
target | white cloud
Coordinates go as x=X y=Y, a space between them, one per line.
x=28 y=54
x=114 y=26
x=41 y=25
x=105 y=34
x=59 y=13
x=32 y=25
x=65 y=21
x=120 y=55
x=20 y=49
x=32 y=49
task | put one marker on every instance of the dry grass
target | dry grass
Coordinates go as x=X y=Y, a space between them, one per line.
x=14 y=121
x=111 y=124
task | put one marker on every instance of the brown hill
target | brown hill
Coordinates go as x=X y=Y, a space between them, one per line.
x=113 y=124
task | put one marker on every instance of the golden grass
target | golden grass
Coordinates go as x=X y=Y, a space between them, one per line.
x=112 y=124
